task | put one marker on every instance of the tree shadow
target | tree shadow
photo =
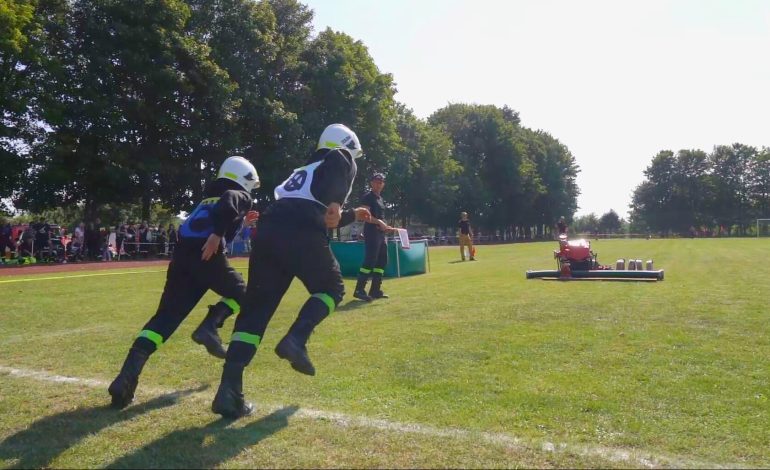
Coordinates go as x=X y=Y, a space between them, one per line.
x=205 y=447
x=45 y=439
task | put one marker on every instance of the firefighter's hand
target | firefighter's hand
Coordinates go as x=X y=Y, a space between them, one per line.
x=333 y=215
x=251 y=217
x=211 y=246
x=362 y=214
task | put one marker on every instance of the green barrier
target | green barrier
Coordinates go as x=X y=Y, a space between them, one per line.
x=401 y=262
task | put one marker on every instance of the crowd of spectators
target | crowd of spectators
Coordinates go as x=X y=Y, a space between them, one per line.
x=42 y=241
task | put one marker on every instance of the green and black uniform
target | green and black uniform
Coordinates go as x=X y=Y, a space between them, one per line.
x=375 y=247
x=291 y=242
x=188 y=278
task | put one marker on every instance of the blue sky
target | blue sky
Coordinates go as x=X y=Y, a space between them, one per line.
x=615 y=81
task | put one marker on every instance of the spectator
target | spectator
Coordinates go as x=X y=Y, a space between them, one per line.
x=161 y=240
x=42 y=238
x=131 y=239
x=6 y=239
x=149 y=241
x=173 y=239
x=141 y=237
x=92 y=242
x=26 y=243
x=120 y=238
x=77 y=245
x=106 y=247
x=79 y=234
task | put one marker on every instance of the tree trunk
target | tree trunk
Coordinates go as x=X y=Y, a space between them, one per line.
x=89 y=210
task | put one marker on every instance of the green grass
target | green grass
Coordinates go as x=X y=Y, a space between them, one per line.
x=674 y=371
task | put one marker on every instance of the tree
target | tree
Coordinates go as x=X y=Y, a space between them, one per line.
x=423 y=174
x=343 y=84
x=652 y=202
x=19 y=32
x=557 y=171
x=759 y=186
x=127 y=91
x=499 y=182
x=609 y=222
x=730 y=179
x=585 y=224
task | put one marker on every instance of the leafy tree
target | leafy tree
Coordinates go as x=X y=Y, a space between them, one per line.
x=343 y=84
x=499 y=182
x=127 y=88
x=585 y=224
x=729 y=178
x=609 y=222
x=259 y=47
x=557 y=171
x=19 y=30
x=422 y=175
x=652 y=202
x=759 y=186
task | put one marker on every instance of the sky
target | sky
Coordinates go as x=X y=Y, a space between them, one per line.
x=615 y=81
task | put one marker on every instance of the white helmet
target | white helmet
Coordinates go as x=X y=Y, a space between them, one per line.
x=241 y=171
x=338 y=135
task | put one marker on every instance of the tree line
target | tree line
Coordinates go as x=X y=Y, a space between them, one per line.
x=727 y=189
x=109 y=103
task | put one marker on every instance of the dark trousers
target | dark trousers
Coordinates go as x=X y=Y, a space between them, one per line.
x=187 y=280
x=376 y=250
x=278 y=255
x=375 y=260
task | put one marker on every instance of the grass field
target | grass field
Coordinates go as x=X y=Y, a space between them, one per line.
x=470 y=365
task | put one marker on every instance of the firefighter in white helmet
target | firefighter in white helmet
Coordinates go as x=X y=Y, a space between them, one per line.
x=197 y=266
x=292 y=242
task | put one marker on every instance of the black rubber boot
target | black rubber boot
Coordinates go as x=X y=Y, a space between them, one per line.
x=360 y=292
x=206 y=333
x=229 y=401
x=293 y=350
x=292 y=346
x=123 y=387
x=376 y=290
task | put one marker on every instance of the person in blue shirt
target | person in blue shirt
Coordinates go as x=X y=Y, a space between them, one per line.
x=197 y=266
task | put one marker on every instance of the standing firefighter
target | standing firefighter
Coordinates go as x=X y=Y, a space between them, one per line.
x=198 y=264
x=376 y=248
x=561 y=226
x=292 y=242
x=466 y=237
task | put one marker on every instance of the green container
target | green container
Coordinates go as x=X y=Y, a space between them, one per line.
x=401 y=262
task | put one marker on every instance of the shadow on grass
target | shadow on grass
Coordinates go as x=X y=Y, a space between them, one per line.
x=205 y=447
x=352 y=305
x=45 y=439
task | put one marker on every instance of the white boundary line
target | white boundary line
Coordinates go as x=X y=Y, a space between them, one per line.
x=50 y=278
x=638 y=458
x=73 y=276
